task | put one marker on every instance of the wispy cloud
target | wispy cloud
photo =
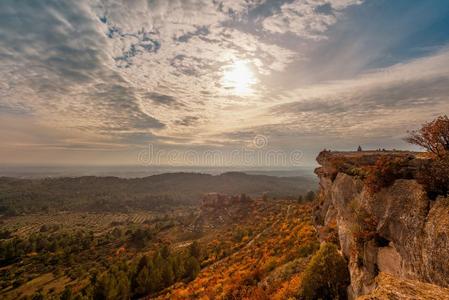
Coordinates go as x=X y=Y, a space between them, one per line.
x=308 y=19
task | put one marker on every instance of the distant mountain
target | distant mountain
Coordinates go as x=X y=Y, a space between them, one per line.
x=31 y=172
x=113 y=193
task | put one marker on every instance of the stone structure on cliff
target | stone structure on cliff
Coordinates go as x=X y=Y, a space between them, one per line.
x=396 y=232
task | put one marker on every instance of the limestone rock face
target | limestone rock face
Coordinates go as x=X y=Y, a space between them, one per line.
x=397 y=231
x=435 y=251
x=389 y=260
x=391 y=287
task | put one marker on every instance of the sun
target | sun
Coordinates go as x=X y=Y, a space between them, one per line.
x=238 y=78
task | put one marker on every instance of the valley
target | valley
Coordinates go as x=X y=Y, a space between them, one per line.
x=60 y=248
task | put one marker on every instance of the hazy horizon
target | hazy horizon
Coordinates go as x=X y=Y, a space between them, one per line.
x=26 y=171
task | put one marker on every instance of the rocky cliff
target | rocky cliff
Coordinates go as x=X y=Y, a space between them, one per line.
x=395 y=230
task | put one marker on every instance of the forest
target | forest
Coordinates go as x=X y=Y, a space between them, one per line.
x=113 y=194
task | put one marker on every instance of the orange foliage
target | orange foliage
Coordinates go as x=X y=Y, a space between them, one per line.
x=433 y=136
x=276 y=239
x=386 y=170
x=288 y=289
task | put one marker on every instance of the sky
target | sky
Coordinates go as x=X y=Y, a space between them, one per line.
x=246 y=82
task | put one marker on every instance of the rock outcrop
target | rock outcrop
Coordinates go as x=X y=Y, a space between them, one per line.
x=397 y=230
x=391 y=287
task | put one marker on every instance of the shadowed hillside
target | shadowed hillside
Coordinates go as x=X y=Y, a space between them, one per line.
x=118 y=194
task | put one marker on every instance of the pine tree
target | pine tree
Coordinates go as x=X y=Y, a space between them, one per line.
x=167 y=274
x=195 y=250
x=165 y=251
x=178 y=267
x=66 y=294
x=192 y=268
x=156 y=279
x=310 y=196
x=142 y=282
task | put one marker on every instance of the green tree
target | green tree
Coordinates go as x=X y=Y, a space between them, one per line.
x=178 y=267
x=326 y=276
x=192 y=268
x=195 y=250
x=167 y=274
x=123 y=286
x=38 y=296
x=165 y=251
x=156 y=279
x=66 y=294
x=143 y=284
x=310 y=196
x=112 y=285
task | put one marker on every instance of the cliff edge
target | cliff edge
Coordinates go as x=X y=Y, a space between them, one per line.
x=392 y=228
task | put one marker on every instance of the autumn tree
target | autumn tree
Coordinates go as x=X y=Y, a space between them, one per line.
x=385 y=172
x=435 y=177
x=433 y=136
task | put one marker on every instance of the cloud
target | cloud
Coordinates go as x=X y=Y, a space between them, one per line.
x=308 y=19
x=59 y=66
x=162 y=99
x=116 y=73
x=187 y=121
x=385 y=102
x=94 y=65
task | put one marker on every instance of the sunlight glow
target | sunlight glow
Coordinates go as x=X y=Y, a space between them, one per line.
x=238 y=78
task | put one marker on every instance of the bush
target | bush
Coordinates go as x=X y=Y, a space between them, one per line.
x=326 y=276
x=365 y=228
x=307 y=249
x=435 y=177
x=386 y=170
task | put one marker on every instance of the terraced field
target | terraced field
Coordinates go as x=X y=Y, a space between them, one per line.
x=97 y=222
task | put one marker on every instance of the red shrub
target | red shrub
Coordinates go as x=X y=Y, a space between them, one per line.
x=435 y=177
x=386 y=170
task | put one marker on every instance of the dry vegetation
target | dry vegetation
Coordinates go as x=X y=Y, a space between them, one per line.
x=263 y=258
